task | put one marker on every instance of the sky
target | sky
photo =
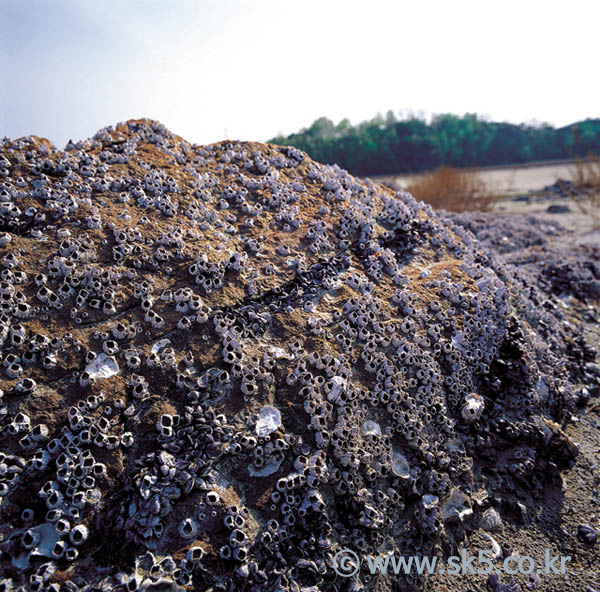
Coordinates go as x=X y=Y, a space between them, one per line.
x=250 y=70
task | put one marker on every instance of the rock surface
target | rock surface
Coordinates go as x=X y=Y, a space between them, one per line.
x=224 y=364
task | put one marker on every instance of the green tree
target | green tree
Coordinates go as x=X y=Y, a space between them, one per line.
x=391 y=145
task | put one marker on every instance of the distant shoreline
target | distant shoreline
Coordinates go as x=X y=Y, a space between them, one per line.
x=513 y=179
x=492 y=167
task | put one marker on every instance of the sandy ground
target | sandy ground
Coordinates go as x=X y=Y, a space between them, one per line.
x=583 y=228
x=510 y=180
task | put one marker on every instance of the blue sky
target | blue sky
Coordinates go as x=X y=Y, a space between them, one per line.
x=249 y=70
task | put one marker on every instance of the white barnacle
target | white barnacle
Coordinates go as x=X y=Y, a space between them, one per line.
x=371 y=428
x=400 y=466
x=337 y=385
x=102 y=366
x=430 y=501
x=188 y=529
x=127 y=439
x=269 y=420
x=473 y=407
x=78 y=534
x=159 y=345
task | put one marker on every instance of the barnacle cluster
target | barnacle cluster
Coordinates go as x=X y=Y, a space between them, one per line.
x=222 y=364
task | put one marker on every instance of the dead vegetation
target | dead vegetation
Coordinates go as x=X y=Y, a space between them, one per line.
x=456 y=190
x=584 y=185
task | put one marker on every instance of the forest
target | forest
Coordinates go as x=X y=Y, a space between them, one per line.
x=391 y=145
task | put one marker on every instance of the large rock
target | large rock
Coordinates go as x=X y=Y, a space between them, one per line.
x=224 y=364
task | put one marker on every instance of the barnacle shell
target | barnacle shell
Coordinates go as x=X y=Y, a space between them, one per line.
x=456 y=506
x=473 y=407
x=269 y=420
x=399 y=464
x=103 y=366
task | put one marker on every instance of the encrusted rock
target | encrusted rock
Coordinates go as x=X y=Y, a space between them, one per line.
x=223 y=364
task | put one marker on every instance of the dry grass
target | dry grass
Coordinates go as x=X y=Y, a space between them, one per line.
x=453 y=189
x=585 y=188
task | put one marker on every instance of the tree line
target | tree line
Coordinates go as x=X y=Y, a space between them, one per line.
x=388 y=145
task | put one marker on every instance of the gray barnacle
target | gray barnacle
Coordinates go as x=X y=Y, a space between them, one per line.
x=78 y=534
x=473 y=407
x=25 y=385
